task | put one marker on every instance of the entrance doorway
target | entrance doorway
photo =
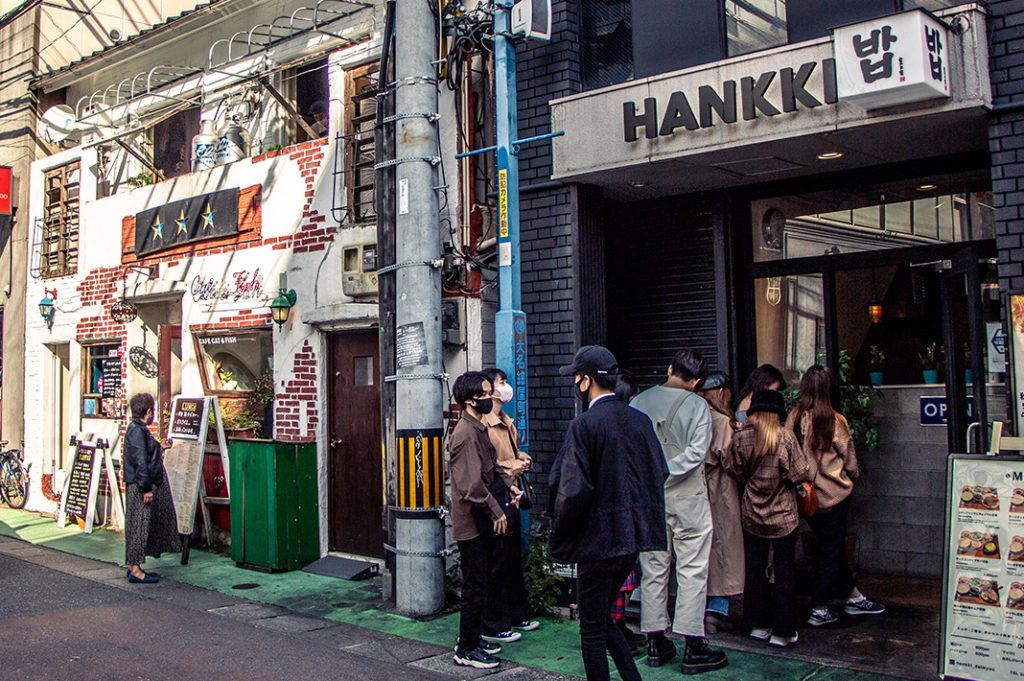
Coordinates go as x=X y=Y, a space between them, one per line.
x=355 y=501
x=58 y=392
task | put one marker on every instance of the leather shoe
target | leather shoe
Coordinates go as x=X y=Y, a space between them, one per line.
x=146 y=578
x=699 y=657
x=659 y=649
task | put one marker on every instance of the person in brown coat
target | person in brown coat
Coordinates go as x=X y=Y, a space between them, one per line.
x=825 y=435
x=477 y=514
x=725 y=568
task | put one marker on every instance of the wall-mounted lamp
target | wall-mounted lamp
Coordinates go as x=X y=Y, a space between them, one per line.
x=281 y=306
x=874 y=308
x=46 y=307
x=124 y=311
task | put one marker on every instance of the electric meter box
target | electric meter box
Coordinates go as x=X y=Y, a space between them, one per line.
x=453 y=321
x=359 y=270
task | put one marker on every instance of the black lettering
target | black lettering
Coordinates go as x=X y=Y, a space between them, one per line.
x=649 y=119
x=708 y=100
x=753 y=96
x=828 y=78
x=794 y=87
x=678 y=114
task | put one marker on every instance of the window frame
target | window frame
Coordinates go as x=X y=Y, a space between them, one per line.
x=187 y=116
x=357 y=142
x=201 y=358
x=88 y=347
x=60 y=228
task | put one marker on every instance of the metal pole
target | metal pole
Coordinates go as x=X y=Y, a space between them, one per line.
x=510 y=321
x=419 y=531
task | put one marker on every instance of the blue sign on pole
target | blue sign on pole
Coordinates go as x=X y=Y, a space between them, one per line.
x=934 y=408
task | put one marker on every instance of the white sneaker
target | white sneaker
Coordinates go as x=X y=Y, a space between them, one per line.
x=783 y=641
x=760 y=634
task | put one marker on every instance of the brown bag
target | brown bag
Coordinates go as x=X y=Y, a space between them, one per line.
x=806 y=499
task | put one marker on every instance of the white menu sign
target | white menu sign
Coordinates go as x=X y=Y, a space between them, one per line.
x=983 y=623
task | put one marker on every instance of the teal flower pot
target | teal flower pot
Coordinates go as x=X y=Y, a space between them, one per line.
x=931 y=376
x=876 y=377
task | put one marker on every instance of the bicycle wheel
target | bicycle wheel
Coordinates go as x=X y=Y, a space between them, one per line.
x=16 y=484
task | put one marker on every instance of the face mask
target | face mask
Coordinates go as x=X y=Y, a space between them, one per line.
x=581 y=394
x=484 y=406
x=505 y=393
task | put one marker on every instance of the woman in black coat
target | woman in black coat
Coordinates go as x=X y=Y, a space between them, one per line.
x=151 y=525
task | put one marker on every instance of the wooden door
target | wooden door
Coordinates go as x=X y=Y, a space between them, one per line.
x=167 y=334
x=354 y=456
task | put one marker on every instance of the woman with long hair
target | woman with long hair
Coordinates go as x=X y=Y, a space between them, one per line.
x=767 y=462
x=725 y=567
x=825 y=436
x=764 y=377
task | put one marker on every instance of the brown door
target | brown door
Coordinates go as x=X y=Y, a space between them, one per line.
x=167 y=334
x=354 y=465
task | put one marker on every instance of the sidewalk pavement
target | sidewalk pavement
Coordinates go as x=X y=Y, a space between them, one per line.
x=290 y=601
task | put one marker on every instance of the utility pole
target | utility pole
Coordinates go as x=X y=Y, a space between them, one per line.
x=419 y=456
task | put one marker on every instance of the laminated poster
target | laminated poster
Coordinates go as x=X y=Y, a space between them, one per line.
x=983 y=637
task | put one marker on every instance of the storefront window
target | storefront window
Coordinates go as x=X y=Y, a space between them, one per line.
x=790 y=323
x=752 y=25
x=101 y=379
x=607 y=43
x=793 y=227
x=230 y=363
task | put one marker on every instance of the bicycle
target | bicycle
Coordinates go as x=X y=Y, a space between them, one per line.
x=13 y=477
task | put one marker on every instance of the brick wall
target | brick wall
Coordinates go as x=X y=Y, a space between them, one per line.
x=548 y=219
x=1006 y=136
x=103 y=287
x=295 y=413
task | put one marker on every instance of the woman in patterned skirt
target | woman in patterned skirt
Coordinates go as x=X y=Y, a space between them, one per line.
x=151 y=526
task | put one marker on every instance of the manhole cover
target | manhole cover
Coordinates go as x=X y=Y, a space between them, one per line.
x=246 y=585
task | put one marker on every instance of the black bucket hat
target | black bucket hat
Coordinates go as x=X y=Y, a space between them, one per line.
x=767 y=400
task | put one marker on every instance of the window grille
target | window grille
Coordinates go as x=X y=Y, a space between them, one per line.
x=59 y=249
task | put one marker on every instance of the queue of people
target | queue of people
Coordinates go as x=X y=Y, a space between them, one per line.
x=675 y=480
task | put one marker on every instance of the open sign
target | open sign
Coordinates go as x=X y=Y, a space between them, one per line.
x=934 y=408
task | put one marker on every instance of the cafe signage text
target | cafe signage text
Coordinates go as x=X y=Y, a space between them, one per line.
x=769 y=94
x=241 y=285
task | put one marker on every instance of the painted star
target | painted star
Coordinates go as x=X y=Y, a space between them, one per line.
x=181 y=221
x=208 y=217
x=158 y=230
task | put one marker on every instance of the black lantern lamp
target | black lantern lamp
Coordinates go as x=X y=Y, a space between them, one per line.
x=46 y=307
x=874 y=308
x=281 y=306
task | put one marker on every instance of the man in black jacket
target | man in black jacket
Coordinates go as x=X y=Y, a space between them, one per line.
x=607 y=505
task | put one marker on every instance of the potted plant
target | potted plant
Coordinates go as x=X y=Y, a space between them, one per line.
x=263 y=393
x=876 y=358
x=240 y=421
x=930 y=360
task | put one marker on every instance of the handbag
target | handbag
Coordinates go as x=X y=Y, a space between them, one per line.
x=806 y=499
x=529 y=497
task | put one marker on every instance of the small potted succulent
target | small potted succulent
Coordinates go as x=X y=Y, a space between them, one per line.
x=876 y=358
x=930 y=360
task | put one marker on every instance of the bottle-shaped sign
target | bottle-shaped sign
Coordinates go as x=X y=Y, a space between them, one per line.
x=204 y=146
x=233 y=144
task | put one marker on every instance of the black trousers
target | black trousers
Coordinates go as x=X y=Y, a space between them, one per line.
x=770 y=606
x=598 y=584
x=832 y=577
x=506 y=590
x=475 y=558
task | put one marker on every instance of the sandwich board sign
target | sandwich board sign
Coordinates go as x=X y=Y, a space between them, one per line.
x=183 y=461
x=81 y=486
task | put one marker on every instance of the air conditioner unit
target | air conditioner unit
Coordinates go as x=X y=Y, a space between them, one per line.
x=359 y=270
x=532 y=18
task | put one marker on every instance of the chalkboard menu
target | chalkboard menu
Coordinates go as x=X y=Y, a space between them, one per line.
x=187 y=417
x=111 y=376
x=81 y=481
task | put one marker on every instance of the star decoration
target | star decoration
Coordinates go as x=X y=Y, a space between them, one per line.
x=158 y=229
x=208 y=217
x=181 y=221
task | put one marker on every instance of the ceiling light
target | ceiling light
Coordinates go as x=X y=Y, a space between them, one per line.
x=830 y=155
x=927 y=187
x=637 y=185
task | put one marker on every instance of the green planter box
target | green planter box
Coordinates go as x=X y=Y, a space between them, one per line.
x=274 y=524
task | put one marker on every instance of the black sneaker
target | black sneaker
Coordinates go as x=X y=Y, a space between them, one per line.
x=659 y=650
x=475 y=658
x=503 y=637
x=489 y=647
x=699 y=657
x=526 y=625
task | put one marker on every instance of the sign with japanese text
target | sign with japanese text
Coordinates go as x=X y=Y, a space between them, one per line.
x=185 y=221
x=983 y=589
x=893 y=60
x=519 y=380
x=6 y=190
x=187 y=418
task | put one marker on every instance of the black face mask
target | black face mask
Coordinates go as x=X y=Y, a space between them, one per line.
x=581 y=395
x=484 y=406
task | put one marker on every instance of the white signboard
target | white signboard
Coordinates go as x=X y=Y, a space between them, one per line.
x=983 y=614
x=996 y=347
x=893 y=60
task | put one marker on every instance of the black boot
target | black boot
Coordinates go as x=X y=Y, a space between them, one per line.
x=700 y=657
x=659 y=649
x=636 y=641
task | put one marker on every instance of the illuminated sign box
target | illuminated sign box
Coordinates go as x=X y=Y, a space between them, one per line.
x=898 y=59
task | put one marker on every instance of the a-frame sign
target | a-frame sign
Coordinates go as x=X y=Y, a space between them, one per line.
x=81 y=486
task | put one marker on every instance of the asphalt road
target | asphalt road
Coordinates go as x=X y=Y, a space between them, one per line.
x=56 y=624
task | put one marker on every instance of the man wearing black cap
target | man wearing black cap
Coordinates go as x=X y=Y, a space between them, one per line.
x=683 y=424
x=607 y=504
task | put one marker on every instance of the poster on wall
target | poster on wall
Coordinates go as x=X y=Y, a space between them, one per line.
x=983 y=585
x=1015 y=358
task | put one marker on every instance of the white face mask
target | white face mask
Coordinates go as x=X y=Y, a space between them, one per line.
x=504 y=393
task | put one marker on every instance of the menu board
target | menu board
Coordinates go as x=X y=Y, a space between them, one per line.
x=983 y=614
x=187 y=417
x=80 y=485
x=111 y=376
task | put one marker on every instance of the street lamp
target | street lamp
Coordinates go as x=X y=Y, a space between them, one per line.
x=281 y=306
x=46 y=307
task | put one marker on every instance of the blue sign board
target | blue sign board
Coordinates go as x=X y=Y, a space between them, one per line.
x=933 y=410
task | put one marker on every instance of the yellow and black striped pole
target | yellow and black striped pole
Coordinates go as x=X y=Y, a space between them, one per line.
x=420 y=459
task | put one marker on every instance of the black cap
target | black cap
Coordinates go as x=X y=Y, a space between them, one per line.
x=591 y=359
x=716 y=379
x=767 y=400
